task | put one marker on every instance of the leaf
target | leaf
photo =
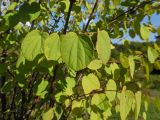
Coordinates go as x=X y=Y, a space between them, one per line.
x=116 y=2
x=32 y=45
x=103 y=46
x=100 y=101
x=90 y=83
x=124 y=60
x=70 y=84
x=95 y=64
x=131 y=65
x=41 y=88
x=7 y=87
x=111 y=88
x=152 y=54
x=29 y=12
x=126 y=101
x=9 y=20
x=95 y=116
x=115 y=71
x=76 y=51
x=48 y=115
x=145 y=33
x=52 y=47
x=138 y=96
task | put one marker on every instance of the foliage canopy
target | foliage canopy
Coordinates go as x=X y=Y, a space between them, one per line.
x=58 y=60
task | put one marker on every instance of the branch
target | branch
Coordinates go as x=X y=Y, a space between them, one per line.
x=129 y=11
x=90 y=17
x=68 y=15
x=12 y=105
x=2 y=82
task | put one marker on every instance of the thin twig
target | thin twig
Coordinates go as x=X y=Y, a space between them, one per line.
x=129 y=11
x=90 y=17
x=68 y=15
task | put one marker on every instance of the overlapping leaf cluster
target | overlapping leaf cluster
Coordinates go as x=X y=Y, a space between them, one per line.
x=58 y=60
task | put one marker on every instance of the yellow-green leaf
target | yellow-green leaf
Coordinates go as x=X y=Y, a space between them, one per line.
x=145 y=33
x=76 y=51
x=126 y=100
x=95 y=64
x=32 y=45
x=100 y=101
x=103 y=46
x=111 y=88
x=152 y=54
x=48 y=115
x=90 y=83
x=138 y=96
x=131 y=65
x=52 y=47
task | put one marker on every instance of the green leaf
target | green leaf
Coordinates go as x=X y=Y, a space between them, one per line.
x=76 y=51
x=103 y=46
x=116 y=2
x=20 y=61
x=90 y=83
x=124 y=60
x=126 y=101
x=95 y=64
x=131 y=65
x=95 y=116
x=29 y=12
x=32 y=44
x=41 y=88
x=138 y=96
x=48 y=115
x=145 y=33
x=111 y=88
x=70 y=84
x=52 y=47
x=9 y=20
x=100 y=101
x=7 y=87
x=115 y=71
x=152 y=54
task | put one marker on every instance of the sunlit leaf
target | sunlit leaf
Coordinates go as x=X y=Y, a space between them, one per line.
x=152 y=54
x=126 y=101
x=48 y=115
x=103 y=46
x=95 y=64
x=138 y=96
x=111 y=88
x=131 y=65
x=90 y=83
x=145 y=33
x=100 y=101
x=52 y=47
x=41 y=88
x=76 y=51
x=32 y=45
